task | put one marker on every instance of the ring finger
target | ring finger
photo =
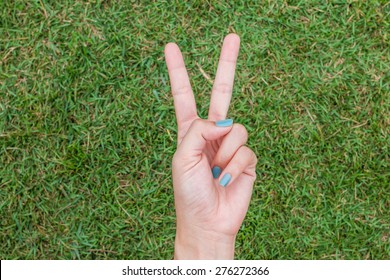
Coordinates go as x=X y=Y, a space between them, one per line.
x=236 y=138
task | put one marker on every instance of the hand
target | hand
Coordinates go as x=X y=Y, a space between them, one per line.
x=213 y=171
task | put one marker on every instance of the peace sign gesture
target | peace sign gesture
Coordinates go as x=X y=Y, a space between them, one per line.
x=213 y=171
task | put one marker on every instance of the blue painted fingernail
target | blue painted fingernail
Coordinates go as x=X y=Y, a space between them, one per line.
x=225 y=179
x=216 y=171
x=224 y=123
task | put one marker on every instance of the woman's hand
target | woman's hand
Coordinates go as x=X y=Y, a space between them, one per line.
x=213 y=171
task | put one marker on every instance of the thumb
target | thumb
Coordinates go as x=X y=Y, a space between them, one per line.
x=199 y=133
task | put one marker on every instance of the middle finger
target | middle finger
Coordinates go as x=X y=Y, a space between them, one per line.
x=223 y=84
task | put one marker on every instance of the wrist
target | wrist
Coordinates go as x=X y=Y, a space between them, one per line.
x=205 y=245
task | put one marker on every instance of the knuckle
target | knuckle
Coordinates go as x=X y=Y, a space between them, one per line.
x=254 y=157
x=222 y=88
x=245 y=150
x=182 y=90
x=216 y=114
x=196 y=123
x=241 y=130
x=250 y=162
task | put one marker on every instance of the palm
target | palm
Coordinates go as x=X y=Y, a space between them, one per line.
x=212 y=207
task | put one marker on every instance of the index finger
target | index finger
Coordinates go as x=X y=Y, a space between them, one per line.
x=223 y=84
x=184 y=101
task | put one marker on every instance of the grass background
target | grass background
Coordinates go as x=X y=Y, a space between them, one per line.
x=87 y=126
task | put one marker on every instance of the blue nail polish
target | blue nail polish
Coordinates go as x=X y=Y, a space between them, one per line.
x=216 y=171
x=224 y=123
x=225 y=179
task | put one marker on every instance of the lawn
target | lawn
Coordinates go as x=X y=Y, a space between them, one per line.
x=88 y=130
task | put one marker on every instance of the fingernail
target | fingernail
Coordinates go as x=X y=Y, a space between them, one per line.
x=224 y=123
x=216 y=171
x=225 y=179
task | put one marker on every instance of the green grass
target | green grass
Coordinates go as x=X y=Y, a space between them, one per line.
x=87 y=126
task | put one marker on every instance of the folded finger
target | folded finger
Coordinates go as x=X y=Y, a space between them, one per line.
x=236 y=138
x=243 y=161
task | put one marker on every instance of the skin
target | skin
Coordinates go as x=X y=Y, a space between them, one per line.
x=208 y=214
